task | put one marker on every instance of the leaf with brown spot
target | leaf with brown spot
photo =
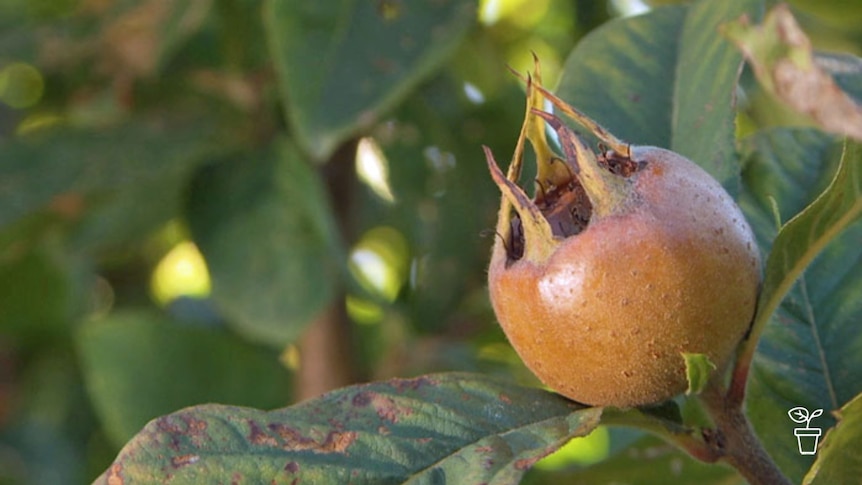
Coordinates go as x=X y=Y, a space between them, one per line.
x=784 y=63
x=458 y=427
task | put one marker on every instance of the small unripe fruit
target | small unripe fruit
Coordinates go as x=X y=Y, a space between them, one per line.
x=622 y=262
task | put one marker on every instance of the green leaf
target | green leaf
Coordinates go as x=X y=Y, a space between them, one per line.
x=650 y=461
x=342 y=64
x=141 y=365
x=810 y=352
x=35 y=296
x=788 y=167
x=264 y=226
x=667 y=79
x=807 y=234
x=92 y=164
x=445 y=428
x=838 y=458
x=698 y=370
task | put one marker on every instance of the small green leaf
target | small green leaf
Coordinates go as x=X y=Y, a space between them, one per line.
x=264 y=226
x=140 y=365
x=838 y=459
x=698 y=370
x=342 y=64
x=445 y=428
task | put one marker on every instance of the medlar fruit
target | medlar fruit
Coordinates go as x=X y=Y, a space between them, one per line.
x=623 y=261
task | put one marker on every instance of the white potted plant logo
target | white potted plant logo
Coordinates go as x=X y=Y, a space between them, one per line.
x=807 y=437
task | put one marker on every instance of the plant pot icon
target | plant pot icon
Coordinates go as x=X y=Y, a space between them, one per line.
x=807 y=439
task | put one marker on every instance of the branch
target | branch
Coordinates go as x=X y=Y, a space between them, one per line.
x=326 y=348
x=734 y=441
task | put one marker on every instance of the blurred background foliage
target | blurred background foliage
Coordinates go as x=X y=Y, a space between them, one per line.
x=250 y=202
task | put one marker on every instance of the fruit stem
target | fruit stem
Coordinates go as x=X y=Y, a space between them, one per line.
x=607 y=191
x=739 y=379
x=684 y=437
x=733 y=438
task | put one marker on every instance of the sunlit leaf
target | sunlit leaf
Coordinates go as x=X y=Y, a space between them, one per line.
x=140 y=365
x=839 y=461
x=698 y=370
x=264 y=226
x=445 y=428
x=343 y=64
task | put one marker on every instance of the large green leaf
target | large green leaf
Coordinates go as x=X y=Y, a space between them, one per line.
x=667 y=78
x=783 y=170
x=810 y=353
x=139 y=365
x=804 y=236
x=445 y=428
x=839 y=460
x=342 y=64
x=263 y=224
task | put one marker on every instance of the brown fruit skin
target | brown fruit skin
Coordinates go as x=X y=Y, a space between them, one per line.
x=605 y=319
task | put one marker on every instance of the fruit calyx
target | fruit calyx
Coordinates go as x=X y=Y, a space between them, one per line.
x=570 y=191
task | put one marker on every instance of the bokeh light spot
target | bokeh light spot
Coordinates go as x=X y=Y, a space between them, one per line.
x=363 y=311
x=289 y=357
x=379 y=262
x=523 y=13
x=21 y=85
x=473 y=93
x=373 y=168
x=585 y=450
x=181 y=272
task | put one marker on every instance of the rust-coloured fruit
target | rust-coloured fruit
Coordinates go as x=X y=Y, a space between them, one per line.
x=623 y=261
